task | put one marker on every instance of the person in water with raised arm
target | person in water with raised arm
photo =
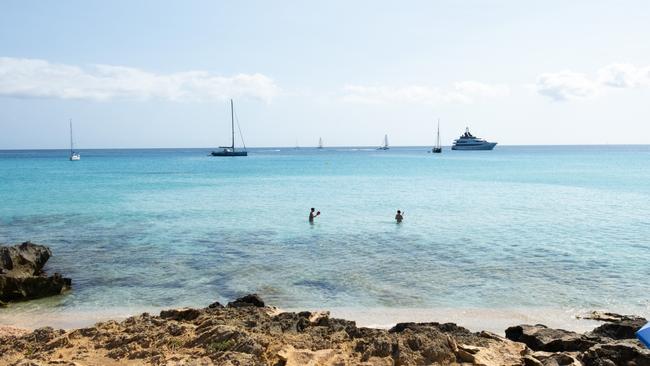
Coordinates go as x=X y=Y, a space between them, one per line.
x=399 y=217
x=312 y=215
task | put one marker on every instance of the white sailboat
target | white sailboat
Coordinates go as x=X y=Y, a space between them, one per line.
x=385 y=145
x=320 y=143
x=74 y=156
x=438 y=148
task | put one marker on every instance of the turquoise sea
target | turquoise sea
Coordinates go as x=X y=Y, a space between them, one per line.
x=563 y=228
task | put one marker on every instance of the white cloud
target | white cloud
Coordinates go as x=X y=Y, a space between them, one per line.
x=462 y=92
x=567 y=85
x=624 y=76
x=34 y=78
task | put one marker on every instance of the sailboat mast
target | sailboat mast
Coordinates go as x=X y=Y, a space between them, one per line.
x=438 y=135
x=232 y=123
x=71 y=143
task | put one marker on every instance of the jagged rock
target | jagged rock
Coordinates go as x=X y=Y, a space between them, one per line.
x=494 y=350
x=624 y=327
x=606 y=316
x=616 y=353
x=300 y=357
x=27 y=288
x=24 y=260
x=556 y=358
x=541 y=338
x=252 y=335
x=248 y=300
x=184 y=314
x=21 y=273
x=532 y=361
x=215 y=305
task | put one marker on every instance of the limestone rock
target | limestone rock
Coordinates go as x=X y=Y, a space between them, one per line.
x=541 y=338
x=617 y=353
x=184 y=314
x=21 y=273
x=248 y=300
x=619 y=327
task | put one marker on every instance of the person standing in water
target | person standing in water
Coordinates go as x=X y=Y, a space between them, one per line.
x=312 y=215
x=399 y=217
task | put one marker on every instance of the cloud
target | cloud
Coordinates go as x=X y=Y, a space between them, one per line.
x=566 y=85
x=461 y=92
x=624 y=76
x=34 y=78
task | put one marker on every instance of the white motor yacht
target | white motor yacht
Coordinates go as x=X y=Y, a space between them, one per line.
x=467 y=141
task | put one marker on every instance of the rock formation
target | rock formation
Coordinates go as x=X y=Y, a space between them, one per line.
x=21 y=273
x=255 y=334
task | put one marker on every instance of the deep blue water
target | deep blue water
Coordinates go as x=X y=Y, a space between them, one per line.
x=555 y=226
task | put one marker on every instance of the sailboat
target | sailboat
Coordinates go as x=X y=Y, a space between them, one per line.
x=320 y=143
x=438 y=147
x=385 y=145
x=74 y=156
x=230 y=150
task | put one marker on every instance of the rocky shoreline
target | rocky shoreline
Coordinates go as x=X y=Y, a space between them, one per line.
x=22 y=276
x=247 y=332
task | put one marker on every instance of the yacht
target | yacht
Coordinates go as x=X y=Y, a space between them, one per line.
x=438 y=148
x=467 y=141
x=74 y=156
x=230 y=150
x=384 y=146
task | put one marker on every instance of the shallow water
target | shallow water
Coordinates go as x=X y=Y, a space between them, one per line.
x=560 y=228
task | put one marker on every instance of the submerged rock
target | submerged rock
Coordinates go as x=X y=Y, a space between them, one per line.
x=21 y=273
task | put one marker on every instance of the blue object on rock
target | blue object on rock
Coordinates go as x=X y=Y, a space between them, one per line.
x=644 y=334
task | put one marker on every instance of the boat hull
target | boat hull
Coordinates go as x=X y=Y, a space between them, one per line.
x=486 y=146
x=75 y=157
x=436 y=150
x=229 y=153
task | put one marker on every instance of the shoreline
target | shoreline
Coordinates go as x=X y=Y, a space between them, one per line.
x=248 y=332
x=474 y=319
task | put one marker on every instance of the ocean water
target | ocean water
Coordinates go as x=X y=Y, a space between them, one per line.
x=553 y=230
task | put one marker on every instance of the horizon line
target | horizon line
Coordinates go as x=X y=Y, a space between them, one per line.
x=306 y=147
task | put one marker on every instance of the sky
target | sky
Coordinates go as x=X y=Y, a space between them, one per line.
x=137 y=74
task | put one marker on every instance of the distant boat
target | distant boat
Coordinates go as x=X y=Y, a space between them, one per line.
x=230 y=150
x=437 y=148
x=467 y=141
x=74 y=156
x=320 y=143
x=385 y=145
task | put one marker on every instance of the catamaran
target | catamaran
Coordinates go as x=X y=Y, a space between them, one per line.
x=467 y=141
x=385 y=145
x=320 y=143
x=230 y=150
x=438 y=148
x=74 y=156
